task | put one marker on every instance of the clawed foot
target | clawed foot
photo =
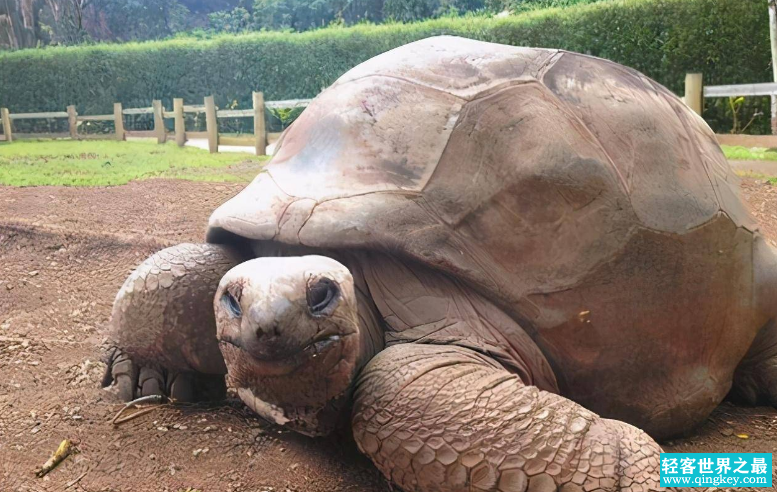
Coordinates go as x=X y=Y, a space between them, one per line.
x=134 y=381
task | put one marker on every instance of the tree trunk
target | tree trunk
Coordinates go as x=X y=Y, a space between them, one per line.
x=773 y=35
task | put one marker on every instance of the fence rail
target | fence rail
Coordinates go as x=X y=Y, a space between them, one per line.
x=696 y=92
x=99 y=117
x=235 y=113
x=138 y=111
x=289 y=103
x=24 y=116
x=768 y=89
x=259 y=140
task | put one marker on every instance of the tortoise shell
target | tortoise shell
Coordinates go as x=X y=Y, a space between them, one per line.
x=584 y=198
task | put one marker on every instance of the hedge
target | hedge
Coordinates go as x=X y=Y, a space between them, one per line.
x=727 y=40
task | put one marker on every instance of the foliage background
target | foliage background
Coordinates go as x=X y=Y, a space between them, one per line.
x=34 y=23
x=727 y=40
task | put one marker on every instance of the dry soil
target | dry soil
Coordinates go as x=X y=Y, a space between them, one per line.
x=64 y=252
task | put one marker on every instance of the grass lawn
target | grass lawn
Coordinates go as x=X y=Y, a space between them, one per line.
x=747 y=154
x=105 y=162
x=102 y=163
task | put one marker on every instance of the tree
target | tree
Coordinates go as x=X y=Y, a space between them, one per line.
x=773 y=35
x=143 y=19
x=68 y=26
x=38 y=22
x=239 y=19
x=409 y=10
x=301 y=15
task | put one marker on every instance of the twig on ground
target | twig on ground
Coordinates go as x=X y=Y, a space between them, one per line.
x=133 y=416
x=63 y=451
x=154 y=399
x=76 y=480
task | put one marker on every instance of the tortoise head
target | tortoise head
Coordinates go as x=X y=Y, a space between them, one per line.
x=288 y=328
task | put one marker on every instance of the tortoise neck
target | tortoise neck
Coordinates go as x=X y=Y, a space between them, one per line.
x=765 y=277
x=371 y=329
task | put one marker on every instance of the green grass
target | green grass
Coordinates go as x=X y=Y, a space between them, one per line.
x=759 y=176
x=105 y=163
x=737 y=153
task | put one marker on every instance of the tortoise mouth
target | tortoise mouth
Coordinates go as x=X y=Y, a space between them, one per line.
x=284 y=363
x=296 y=389
x=311 y=421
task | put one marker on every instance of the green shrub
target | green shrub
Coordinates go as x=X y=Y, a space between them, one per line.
x=727 y=40
x=523 y=5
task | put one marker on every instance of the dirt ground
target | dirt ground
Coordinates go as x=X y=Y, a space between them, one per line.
x=64 y=252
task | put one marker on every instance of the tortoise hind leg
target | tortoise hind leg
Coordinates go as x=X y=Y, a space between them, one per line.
x=162 y=333
x=755 y=380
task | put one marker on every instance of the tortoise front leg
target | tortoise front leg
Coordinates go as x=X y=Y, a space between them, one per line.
x=447 y=418
x=162 y=334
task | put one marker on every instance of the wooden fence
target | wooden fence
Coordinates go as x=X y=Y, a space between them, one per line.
x=259 y=140
x=696 y=92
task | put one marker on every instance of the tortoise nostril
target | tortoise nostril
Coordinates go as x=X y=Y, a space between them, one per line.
x=267 y=330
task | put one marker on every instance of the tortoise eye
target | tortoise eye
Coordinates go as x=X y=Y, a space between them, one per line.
x=231 y=305
x=323 y=297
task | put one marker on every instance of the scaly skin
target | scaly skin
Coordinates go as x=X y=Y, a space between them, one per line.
x=445 y=418
x=163 y=330
x=755 y=380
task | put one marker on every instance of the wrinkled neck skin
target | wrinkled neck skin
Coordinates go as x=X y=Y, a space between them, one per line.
x=397 y=302
x=765 y=277
x=311 y=396
x=371 y=329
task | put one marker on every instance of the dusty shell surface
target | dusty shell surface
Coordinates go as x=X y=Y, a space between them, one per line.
x=582 y=196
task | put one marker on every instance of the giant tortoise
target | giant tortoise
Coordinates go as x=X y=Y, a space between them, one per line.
x=500 y=263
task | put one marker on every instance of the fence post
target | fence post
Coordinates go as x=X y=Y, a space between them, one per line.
x=694 y=96
x=118 y=121
x=211 y=124
x=774 y=113
x=159 y=121
x=180 y=130
x=72 y=122
x=7 y=131
x=260 y=133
